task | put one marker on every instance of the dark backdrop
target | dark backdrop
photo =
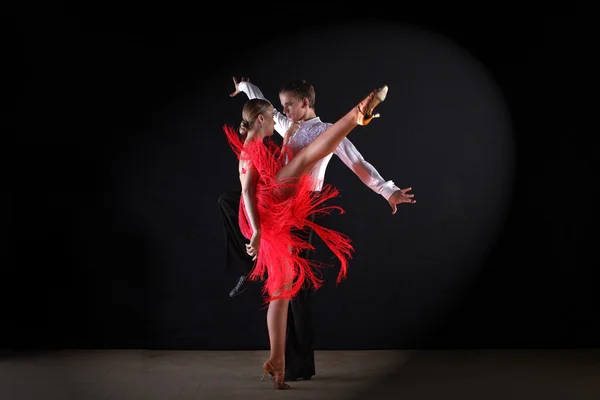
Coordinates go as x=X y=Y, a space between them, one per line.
x=115 y=237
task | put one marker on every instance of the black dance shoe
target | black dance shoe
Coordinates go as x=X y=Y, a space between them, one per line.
x=241 y=286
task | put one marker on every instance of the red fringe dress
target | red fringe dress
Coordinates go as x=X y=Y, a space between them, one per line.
x=283 y=220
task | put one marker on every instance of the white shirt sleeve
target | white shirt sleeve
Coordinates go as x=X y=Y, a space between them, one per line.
x=350 y=156
x=282 y=123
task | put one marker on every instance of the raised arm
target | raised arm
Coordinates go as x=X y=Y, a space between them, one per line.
x=367 y=173
x=282 y=123
x=248 y=180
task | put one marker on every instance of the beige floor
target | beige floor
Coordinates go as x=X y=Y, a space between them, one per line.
x=393 y=374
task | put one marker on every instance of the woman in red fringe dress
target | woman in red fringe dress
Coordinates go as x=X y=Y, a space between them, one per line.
x=276 y=204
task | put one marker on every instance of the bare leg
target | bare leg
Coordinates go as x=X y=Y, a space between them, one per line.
x=323 y=145
x=277 y=316
x=328 y=141
x=277 y=325
x=277 y=320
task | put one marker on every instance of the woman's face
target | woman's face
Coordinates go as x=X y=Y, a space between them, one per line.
x=269 y=121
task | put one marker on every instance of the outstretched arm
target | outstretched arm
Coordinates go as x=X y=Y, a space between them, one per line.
x=248 y=180
x=367 y=173
x=282 y=123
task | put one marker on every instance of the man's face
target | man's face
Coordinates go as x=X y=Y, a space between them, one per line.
x=293 y=108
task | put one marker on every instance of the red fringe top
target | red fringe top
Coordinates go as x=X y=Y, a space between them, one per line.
x=285 y=220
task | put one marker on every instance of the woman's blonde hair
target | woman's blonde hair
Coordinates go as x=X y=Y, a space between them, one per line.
x=252 y=109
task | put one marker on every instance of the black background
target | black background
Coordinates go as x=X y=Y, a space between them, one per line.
x=115 y=239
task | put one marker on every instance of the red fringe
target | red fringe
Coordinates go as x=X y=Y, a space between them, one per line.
x=284 y=219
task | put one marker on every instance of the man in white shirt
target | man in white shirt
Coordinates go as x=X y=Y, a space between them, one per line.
x=298 y=101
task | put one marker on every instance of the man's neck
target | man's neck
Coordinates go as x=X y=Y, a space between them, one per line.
x=309 y=115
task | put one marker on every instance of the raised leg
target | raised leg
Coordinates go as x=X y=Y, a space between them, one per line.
x=328 y=141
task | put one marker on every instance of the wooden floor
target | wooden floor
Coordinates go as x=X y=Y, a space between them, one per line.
x=394 y=374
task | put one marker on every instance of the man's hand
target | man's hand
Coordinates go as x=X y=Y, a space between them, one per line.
x=400 y=196
x=291 y=130
x=237 y=86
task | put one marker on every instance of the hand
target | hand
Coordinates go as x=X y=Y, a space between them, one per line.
x=237 y=86
x=291 y=130
x=254 y=245
x=400 y=196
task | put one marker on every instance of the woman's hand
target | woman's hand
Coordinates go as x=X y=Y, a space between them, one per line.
x=254 y=245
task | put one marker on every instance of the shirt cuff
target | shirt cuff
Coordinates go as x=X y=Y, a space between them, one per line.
x=388 y=189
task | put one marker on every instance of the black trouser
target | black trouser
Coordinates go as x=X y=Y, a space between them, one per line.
x=299 y=344
x=235 y=249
